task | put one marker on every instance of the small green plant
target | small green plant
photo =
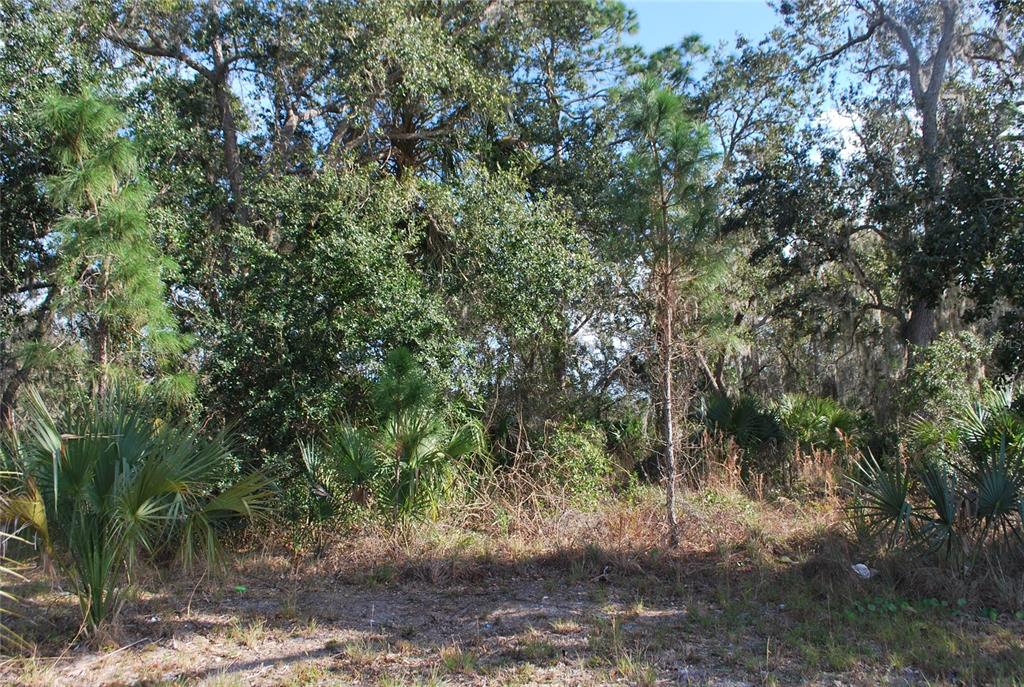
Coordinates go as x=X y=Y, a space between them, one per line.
x=535 y=647
x=104 y=483
x=455 y=659
x=962 y=507
x=363 y=651
x=249 y=634
x=576 y=457
x=636 y=670
x=406 y=463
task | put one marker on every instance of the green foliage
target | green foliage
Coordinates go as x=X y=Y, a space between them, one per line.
x=666 y=197
x=962 y=507
x=561 y=227
x=972 y=460
x=518 y=260
x=884 y=504
x=365 y=264
x=405 y=464
x=744 y=420
x=631 y=438
x=106 y=482
x=303 y=324
x=993 y=423
x=110 y=274
x=575 y=457
x=819 y=423
x=973 y=430
x=946 y=375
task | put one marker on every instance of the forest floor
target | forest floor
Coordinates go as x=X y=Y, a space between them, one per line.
x=759 y=594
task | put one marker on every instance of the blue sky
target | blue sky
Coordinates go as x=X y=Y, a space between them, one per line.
x=664 y=22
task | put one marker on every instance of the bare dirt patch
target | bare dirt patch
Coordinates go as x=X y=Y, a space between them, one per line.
x=758 y=595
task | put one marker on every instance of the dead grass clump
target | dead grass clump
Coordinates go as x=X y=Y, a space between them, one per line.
x=723 y=529
x=817 y=472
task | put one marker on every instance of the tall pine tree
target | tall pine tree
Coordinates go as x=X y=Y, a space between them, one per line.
x=110 y=273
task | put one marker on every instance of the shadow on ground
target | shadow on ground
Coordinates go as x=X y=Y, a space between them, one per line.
x=581 y=615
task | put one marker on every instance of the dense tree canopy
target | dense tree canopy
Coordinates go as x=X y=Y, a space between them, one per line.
x=253 y=203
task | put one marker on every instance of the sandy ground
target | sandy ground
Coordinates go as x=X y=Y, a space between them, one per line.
x=510 y=631
x=757 y=596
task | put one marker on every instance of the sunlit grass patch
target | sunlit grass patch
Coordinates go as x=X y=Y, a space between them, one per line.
x=248 y=633
x=456 y=659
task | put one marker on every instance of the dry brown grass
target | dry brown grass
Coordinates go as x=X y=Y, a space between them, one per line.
x=720 y=526
x=520 y=584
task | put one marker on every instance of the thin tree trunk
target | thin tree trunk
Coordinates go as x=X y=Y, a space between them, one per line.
x=668 y=438
x=665 y=324
x=101 y=357
x=101 y=345
x=232 y=157
x=221 y=93
x=9 y=399
x=553 y=104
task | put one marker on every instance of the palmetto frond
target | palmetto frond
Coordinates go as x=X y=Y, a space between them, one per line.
x=408 y=461
x=885 y=504
x=8 y=567
x=111 y=483
x=985 y=427
x=998 y=489
x=939 y=528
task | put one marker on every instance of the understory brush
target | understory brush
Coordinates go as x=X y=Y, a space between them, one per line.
x=513 y=523
x=104 y=485
x=748 y=572
x=955 y=500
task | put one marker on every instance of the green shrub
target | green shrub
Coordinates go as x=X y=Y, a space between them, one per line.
x=752 y=427
x=575 y=456
x=956 y=499
x=744 y=420
x=103 y=484
x=820 y=423
x=989 y=424
x=953 y=508
x=631 y=439
x=404 y=464
x=968 y=433
x=945 y=375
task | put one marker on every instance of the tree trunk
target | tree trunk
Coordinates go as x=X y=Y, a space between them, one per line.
x=555 y=113
x=668 y=440
x=101 y=357
x=232 y=157
x=920 y=330
x=8 y=401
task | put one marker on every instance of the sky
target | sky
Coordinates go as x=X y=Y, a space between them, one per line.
x=664 y=22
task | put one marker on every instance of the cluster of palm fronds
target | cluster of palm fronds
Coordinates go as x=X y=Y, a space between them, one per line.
x=8 y=571
x=744 y=420
x=964 y=493
x=972 y=430
x=406 y=464
x=819 y=423
x=106 y=483
x=813 y=422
